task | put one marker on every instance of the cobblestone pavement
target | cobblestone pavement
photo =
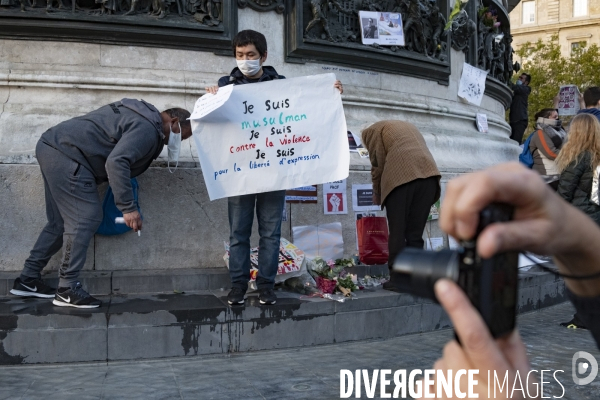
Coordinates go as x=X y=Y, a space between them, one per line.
x=305 y=373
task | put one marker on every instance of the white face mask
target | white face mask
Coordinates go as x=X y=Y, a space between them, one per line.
x=249 y=67
x=173 y=148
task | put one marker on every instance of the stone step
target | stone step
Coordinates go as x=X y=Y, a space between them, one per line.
x=159 y=281
x=143 y=326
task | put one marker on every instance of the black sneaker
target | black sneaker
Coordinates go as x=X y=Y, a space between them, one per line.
x=267 y=296
x=75 y=297
x=236 y=296
x=32 y=288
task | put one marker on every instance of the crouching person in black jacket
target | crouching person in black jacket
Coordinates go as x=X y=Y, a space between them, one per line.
x=114 y=143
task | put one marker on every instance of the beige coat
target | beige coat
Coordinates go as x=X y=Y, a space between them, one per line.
x=398 y=155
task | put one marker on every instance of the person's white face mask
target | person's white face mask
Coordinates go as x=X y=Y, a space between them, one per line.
x=173 y=148
x=249 y=67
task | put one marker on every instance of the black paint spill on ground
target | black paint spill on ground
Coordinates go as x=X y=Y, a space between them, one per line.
x=8 y=323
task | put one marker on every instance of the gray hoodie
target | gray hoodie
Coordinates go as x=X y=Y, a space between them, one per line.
x=116 y=142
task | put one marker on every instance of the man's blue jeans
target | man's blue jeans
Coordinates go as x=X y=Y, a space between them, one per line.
x=269 y=212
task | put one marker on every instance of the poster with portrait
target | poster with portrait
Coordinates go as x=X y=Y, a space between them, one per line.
x=383 y=28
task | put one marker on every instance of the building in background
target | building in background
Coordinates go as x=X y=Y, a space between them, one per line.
x=576 y=22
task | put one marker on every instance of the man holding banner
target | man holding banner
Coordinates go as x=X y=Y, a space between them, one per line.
x=250 y=51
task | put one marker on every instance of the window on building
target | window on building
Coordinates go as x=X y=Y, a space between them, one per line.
x=577 y=45
x=528 y=12
x=580 y=8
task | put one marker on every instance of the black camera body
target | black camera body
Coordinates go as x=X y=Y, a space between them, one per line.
x=491 y=284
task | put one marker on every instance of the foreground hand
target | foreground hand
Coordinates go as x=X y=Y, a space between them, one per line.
x=212 y=89
x=539 y=213
x=338 y=86
x=543 y=223
x=479 y=349
x=133 y=220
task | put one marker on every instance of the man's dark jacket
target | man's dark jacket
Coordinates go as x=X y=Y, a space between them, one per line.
x=594 y=111
x=575 y=186
x=237 y=78
x=116 y=142
x=518 y=106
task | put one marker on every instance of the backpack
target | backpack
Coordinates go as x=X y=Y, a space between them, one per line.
x=108 y=226
x=526 y=157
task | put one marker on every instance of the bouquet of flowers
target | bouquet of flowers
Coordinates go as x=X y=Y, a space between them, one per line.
x=331 y=276
x=489 y=17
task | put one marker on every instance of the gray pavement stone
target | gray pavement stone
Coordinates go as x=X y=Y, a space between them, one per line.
x=310 y=372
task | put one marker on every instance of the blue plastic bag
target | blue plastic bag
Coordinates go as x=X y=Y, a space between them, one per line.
x=526 y=157
x=108 y=226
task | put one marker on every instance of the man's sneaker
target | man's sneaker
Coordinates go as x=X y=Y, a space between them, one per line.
x=267 y=296
x=32 y=288
x=236 y=296
x=75 y=297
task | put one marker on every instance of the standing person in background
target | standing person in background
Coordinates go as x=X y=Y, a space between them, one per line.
x=577 y=162
x=406 y=181
x=590 y=102
x=545 y=144
x=518 y=107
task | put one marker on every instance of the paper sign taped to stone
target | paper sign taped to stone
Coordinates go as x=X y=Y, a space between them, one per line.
x=472 y=84
x=362 y=197
x=272 y=135
x=334 y=197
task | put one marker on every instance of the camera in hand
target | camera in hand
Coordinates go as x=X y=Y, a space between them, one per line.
x=490 y=284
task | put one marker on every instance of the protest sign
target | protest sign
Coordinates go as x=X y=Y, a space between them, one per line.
x=334 y=197
x=472 y=84
x=568 y=102
x=271 y=135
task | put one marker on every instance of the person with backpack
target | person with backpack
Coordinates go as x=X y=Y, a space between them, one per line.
x=545 y=144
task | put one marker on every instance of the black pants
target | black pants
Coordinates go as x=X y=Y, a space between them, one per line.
x=517 y=130
x=407 y=209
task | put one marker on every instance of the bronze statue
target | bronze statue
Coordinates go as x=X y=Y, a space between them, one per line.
x=319 y=9
x=462 y=29
x=414 y=35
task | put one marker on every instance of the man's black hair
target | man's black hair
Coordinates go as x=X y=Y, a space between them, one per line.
x=544 y=113
x=182 y=114
x=591 y=96
x=527 y=77
x=248 y=36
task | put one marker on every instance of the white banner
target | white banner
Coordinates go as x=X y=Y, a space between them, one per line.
x=270 y=136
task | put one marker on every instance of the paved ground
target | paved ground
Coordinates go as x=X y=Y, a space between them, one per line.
x=306 y=373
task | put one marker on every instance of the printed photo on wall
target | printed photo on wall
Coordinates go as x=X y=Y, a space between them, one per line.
x=383 y=28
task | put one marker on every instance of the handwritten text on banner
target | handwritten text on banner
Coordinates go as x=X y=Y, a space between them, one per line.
x=272 y=135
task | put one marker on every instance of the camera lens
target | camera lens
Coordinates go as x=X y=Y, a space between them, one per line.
x=415 y=271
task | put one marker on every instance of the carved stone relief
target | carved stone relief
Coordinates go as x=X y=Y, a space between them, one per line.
x=205 y=12
x=263 y=5
x=337 y=21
